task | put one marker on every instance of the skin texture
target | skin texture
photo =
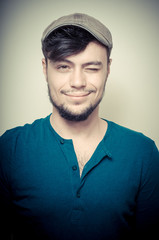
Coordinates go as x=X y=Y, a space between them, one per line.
x=77 y=83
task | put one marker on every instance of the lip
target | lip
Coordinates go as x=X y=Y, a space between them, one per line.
x=77 y=95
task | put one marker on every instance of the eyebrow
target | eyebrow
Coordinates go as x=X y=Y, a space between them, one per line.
x=95 y=63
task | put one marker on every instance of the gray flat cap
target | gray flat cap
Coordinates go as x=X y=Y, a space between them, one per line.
x=92 y=25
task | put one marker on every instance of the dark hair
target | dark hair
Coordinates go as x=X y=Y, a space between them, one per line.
x=66 y=41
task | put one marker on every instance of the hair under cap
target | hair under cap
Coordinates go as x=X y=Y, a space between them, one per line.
x=92 y=25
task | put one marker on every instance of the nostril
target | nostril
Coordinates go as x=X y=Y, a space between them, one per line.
x=78 y=82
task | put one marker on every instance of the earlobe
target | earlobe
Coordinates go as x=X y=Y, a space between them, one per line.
x=109 y=63
x=44 y=67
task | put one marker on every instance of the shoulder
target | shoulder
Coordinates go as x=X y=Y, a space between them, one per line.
x=21 y=134
x=23 y=130
x=137 y=153
x=130 y=141
x=128 y=134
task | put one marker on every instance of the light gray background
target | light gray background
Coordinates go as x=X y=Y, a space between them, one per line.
x=132 y=91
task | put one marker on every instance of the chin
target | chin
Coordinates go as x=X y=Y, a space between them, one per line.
x=74 y=115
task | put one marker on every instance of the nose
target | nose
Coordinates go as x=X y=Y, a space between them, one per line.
x=77 y=79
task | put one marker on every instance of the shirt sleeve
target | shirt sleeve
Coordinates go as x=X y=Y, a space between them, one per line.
x=5 y=193
x=147 y=211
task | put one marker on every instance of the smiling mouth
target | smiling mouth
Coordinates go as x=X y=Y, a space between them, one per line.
x=77 y=94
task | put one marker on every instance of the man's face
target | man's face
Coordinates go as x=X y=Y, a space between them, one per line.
x=76 y=84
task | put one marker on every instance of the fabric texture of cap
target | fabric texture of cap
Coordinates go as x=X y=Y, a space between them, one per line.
x=92 y=25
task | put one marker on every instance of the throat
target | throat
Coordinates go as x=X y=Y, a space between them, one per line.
x=85 y=147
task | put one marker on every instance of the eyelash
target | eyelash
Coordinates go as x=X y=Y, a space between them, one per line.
x=93 y=69
x=66 y=67
x=62 y=67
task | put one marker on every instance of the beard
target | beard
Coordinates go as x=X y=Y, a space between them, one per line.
x=67 y=114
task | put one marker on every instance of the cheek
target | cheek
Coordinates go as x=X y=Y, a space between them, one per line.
x=100 y=89
x=56 y=81
x=99 y=83
x=53 y=87
x=53 y=83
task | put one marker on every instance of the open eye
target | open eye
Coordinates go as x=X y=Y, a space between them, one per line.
x=63 y=68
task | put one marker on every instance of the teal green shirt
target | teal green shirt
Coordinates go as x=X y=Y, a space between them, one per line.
x=42 y=195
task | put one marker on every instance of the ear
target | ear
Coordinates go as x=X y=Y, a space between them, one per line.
x=44 y=64
x=109 y=63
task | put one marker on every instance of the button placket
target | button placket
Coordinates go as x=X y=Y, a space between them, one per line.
x=68 y=150
x=78 y=195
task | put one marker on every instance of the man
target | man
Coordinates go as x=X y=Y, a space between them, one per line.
x=74 y=175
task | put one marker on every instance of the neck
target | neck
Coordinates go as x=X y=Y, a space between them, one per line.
x=72 y=130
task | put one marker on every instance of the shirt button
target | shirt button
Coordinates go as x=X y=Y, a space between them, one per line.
x=62 y=141
x=78 y=194
x=74 y=168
